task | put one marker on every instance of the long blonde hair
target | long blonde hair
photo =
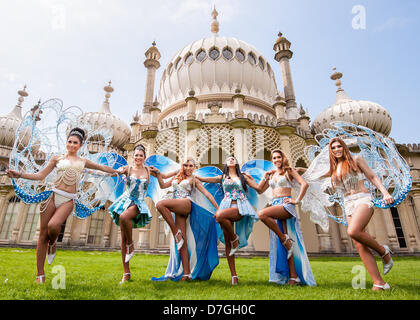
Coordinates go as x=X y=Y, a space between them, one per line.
x=181 y=174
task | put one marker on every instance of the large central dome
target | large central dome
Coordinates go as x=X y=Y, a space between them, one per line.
x=217 y=65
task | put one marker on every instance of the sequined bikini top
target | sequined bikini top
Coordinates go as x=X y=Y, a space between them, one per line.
x=281 y=182
x=69 y=172
x=181 y=190
x=233 y=188
x=350 y=181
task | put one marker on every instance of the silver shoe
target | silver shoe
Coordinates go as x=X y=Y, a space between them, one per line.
x=387 y=266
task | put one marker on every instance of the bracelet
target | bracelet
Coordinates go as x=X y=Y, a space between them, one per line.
x=264 y=179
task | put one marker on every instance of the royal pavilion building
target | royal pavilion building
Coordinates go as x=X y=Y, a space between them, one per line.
x=217 y=96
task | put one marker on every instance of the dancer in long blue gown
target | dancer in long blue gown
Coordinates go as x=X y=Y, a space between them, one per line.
x=235 y=210
x=288 y=259
x=193 y=252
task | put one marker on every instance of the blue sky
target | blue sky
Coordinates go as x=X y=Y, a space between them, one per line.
x=71 y=49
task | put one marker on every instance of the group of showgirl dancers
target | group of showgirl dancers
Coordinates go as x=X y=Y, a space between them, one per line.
x=208 y=205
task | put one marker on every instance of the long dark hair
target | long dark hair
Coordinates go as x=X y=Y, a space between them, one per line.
x=238 y=172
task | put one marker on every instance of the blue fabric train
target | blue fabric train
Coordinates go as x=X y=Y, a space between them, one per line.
x=278 y=264
x=201 y=228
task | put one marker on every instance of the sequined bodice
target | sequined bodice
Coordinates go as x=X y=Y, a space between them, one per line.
x=350 y=183
x=69 y=172
x=233 y=189
x=137 y=188
x=181 y=190
x=281 y=182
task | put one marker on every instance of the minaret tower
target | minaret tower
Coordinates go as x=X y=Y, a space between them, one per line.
x=283 y=55
x=152 y=64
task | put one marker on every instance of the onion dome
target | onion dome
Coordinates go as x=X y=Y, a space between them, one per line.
x=365 y=113
x=104 y=118
x=217 y=65
x=10 y=122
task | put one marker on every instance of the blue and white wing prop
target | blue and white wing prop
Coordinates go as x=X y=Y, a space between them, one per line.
x=165 y=165
x=379 y=152
x=256 y=169
x=96 y=188
x=40 y=136
x=215 y=189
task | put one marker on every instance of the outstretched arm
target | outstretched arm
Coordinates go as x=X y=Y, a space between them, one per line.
x=207 y=194
x=155 y=171
x=163 y=184
x=372 y=177
x=262 y=186
x=216 y=179
x=100 y=167
x=35 y=176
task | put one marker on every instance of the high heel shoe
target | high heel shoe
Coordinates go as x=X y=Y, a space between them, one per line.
x=296 y=280
x=186 y=277
x=385 y=286
x=124 y=279
x=40 y=277
x=179 y=243
x=387 y=266
x=128 y=255
x=232 y=249
x=51 y=256
x=237 y=280
x=289 y=251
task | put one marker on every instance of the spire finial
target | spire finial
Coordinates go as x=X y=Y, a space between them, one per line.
x=108 y=89
x=337 y=76
x=22 y=94
x=215 y=23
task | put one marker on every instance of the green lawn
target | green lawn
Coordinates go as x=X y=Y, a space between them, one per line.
x=95 y=275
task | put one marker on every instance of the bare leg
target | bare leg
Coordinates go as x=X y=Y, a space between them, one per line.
x=225 y=218
x=181 y=223
x=59 y=217
x=126 y=227
x=268 y=216
x=180 y=206
x=42 y=244
x=357 y=223
x=291 y=261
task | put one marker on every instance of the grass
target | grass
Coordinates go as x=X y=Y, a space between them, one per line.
x=96 y=274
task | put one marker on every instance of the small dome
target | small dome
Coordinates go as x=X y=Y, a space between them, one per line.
x=10 y=122
x=217 y=65
x=104 y=118
x=365 y=113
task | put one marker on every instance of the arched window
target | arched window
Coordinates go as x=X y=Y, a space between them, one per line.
x=398 y=227
x=31 y=221
x=214 y=53
x=251 y=58
x=240 y=55
x=12 y=211
x=227 y=53
x=189 y=58
x=201 y=55
x=96 y=228
x=261 y=63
